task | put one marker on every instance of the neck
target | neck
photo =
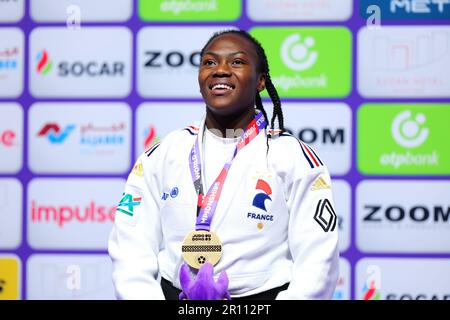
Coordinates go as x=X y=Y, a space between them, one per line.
x=224 y=125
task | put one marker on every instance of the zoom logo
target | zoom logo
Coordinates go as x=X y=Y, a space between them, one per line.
x=297 y=53
x=408 y=131
x=174 y=59
x=396 y=213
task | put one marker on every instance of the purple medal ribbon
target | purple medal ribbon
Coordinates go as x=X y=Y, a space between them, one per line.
x=206 y=206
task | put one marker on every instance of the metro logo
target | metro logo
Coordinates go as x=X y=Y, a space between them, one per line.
x=403 y=138
x=54 y=133
x=408 y=9
x=92 y=213
x=303 y=61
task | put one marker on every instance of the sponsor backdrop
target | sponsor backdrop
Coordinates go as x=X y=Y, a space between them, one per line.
x=87 y=85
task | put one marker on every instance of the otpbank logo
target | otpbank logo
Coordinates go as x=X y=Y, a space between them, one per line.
x=73 y=63
x=71 y=213
x=403 y=138
x=308 y=62
x=43 y=62
x=189 y=10
x=408 y=9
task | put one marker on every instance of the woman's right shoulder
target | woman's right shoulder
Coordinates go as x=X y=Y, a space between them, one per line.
x=176 y=141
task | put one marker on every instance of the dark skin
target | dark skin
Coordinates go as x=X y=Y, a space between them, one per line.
x=229 y=79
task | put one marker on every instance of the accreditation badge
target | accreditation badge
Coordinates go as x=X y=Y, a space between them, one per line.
x=201 y=246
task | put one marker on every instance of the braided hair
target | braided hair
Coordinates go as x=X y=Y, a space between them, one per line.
x=262 y=67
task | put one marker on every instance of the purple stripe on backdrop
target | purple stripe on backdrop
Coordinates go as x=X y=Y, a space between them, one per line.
x=354 y=100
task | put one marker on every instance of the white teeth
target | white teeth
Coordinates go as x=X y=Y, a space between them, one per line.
x=222 y=86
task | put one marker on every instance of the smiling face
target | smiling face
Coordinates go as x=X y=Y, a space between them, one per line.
x=228 y=75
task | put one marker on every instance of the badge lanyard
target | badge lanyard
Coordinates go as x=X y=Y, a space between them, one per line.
x=206 y=205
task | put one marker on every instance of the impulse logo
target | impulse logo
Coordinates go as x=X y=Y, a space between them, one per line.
x=54 y=133
x=44 y=64
x=259 y=201
x=92 y=213
x=7 y=138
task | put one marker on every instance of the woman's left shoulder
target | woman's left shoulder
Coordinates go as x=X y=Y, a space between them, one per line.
x=293 y=154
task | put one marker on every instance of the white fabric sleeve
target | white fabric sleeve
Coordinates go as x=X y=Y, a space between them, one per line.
x=313 y=237
x=136 y=237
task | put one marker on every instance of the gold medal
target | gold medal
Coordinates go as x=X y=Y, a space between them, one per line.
x=200 y=247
